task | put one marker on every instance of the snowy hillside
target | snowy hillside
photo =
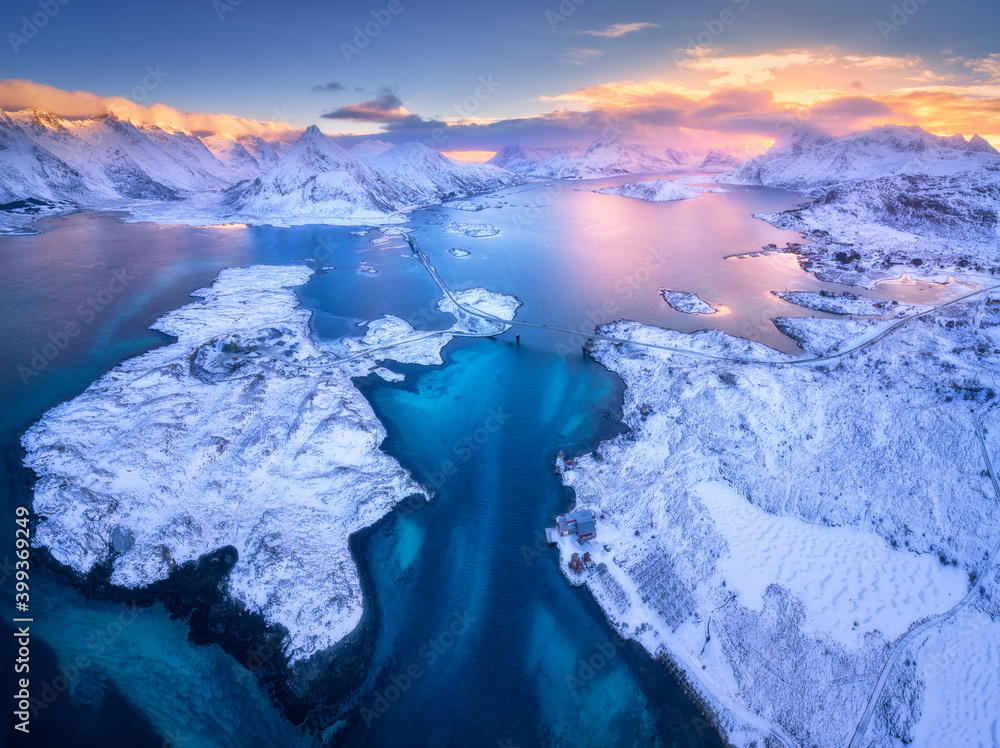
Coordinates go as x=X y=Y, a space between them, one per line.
x=435 y=176
x=813 y=162
x=318 y=179
x=746 y=538
x=523 y=160
x=718 y=161
x=888 y=196
x=162 y=173
x=605 y=157
x=369 y=149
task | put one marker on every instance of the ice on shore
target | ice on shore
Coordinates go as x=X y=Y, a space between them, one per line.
x=687 y=303
x=243 y=432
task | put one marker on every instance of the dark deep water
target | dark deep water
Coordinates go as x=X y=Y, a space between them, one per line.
x=491 y=632
x=450 y=579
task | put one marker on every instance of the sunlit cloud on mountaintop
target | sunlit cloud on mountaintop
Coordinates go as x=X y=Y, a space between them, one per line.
x=22 y=94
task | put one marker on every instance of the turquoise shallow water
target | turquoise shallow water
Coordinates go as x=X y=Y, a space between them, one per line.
x=498 y=638
x=502 y=680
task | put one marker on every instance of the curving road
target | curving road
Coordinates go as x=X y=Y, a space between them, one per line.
x=773 y=730
x=908 y=638
x=902 y=643
x=424 y=259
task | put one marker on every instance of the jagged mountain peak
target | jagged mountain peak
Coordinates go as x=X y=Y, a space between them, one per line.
x=979 y=144
x=888 y=150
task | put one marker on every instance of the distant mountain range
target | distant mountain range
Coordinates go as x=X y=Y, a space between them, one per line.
x=813 y=162
x=903 y=178
x=607 y=156
x=108 y=162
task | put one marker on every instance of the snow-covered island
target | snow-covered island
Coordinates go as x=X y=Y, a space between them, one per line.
x=687 y=303
x=608 y=156
x=658 y=190
x=244 y=432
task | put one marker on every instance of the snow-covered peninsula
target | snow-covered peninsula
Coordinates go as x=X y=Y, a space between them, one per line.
x=753 y=530
x=244 y=432
x=813 y=542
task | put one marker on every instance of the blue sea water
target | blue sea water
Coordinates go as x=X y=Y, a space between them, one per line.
x=459 y=590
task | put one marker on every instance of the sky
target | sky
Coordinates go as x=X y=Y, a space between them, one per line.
x=471 y=77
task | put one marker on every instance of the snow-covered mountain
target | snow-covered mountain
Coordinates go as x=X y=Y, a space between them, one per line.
x=904 y=195
x=28 y=171
x=717 y=161
x=606 y=156
x=369 y=149
x=435 y=176
x=319 y=179
x=813 y=162
x=523 y=160
x=104 y=162
x=91 y=162
x=680 y=157
x=245 y=156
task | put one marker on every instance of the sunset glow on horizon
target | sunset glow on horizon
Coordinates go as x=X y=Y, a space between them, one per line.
x=470 y=156
x=681 y=77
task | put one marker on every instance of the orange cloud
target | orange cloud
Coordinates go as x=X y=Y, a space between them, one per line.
x=22 y=94
x=946 y=112
x=751 y=69
x=818 y=88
